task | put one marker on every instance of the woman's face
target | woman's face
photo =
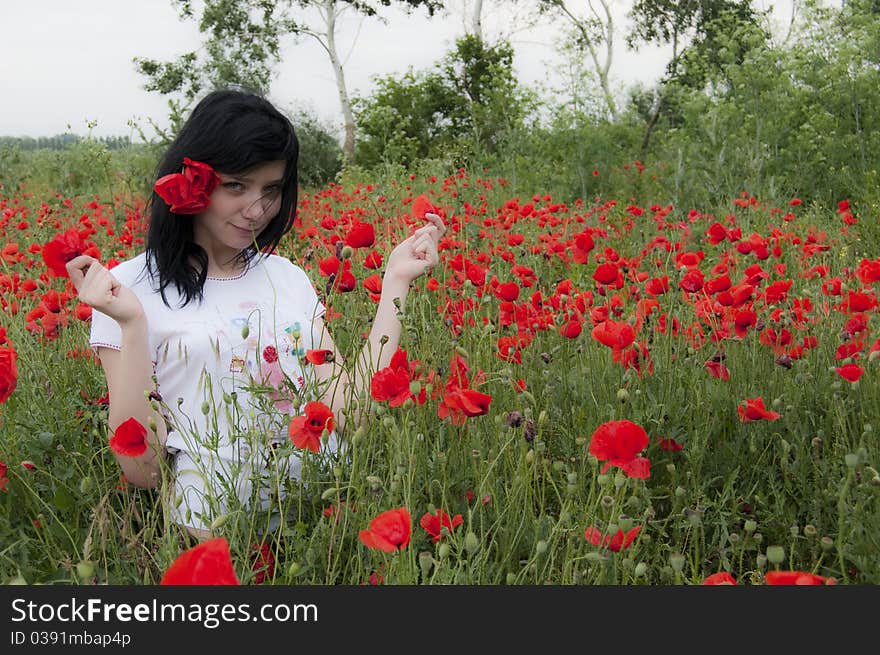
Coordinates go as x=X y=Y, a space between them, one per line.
x=241 y=207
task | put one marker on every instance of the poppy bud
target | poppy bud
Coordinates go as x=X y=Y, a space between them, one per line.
x=347 y=252
x=205 y=408
x=622 y=395
x=426 y=562
x=775 y=554
x=851 y=459
x=471 y=543
x=572 y=478
x=85 y=485
x=329 y=493
x=293 y=569
x=245 y=331
x=219 y=521
x=676 y=561
x=750 y=526
x=761 y=561
x=541 y=547
x=758 y=537
x=510 y=579
x=640 y=570
x=443 y=551
x=85 y=570
x=530 y=456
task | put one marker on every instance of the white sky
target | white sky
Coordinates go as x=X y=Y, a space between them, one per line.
x=66 y=63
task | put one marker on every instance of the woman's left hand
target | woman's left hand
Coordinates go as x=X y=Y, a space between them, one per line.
x=417 y=254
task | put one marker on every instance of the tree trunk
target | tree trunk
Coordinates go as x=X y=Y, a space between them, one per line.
x=331 y=13
x=477 y=22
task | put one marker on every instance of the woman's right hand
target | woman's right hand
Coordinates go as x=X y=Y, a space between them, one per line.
x=98 y=288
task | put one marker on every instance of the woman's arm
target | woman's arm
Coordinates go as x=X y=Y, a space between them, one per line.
x=129 y=371
x=410 y=259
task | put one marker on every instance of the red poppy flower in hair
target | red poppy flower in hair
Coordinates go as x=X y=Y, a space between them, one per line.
x=188 y=192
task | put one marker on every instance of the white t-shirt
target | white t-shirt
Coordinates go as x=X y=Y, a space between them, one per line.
x=203 y=356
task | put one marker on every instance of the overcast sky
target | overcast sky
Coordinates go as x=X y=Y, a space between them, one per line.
x=67 y=63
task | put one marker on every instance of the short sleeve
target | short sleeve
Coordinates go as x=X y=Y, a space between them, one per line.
x=105 y=332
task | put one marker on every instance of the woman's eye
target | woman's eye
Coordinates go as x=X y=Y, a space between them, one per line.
x=233 y=186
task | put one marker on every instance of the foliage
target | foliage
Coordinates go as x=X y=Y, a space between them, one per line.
x=467 y=106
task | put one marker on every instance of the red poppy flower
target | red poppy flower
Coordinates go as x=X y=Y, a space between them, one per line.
x=720 y=578
x=208 y=563
x=421 y=206
x=850 y=372
x=717 y=370
x=318 y=357
x=8 y=372
x=507 y=291
x=188 y=192
x=305 y=431
x=657 y=286
x=616 y=336
x=620 y=540
x=389 y=531
x=373 y=260
x=605 y=273
x=263 y=564
x=4 y=481
x=129 y=439
x=617 y=443
x=571 y=330
x=754 y=410
x=433 y=524
x=463 y=403
x=360 y=235
x=391 y=384
x=62 y=248
x=669 y=444
x=796 y=578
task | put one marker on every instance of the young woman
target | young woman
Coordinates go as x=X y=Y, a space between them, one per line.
x=196 y=333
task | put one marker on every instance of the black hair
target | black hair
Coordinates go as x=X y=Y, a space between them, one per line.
x=233 y=131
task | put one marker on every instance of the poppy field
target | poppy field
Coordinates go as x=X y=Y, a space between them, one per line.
x=611 y=390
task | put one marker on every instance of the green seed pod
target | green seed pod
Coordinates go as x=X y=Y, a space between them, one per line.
x=443 y=551
x=245 y=331
x=426 y=562
x=775 y=554
x=219 y=521
x=85 y=570
x=85 y=485
x=471 y=543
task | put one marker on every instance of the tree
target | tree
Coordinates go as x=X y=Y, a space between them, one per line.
x=594 y=35
x=705 y=35
x=243 y=45
x=468 y=103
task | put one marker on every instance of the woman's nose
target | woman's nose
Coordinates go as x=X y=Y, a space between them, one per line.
x=254 y=209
